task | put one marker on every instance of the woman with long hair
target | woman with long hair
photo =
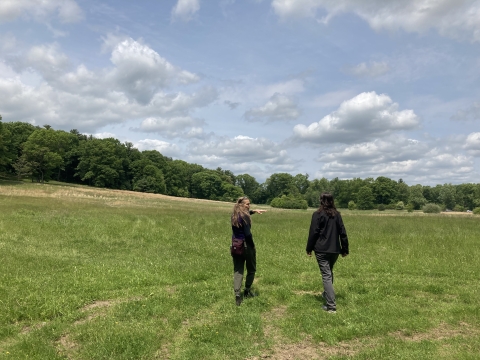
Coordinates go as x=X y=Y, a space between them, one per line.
x=328 y=239
x=241 y=231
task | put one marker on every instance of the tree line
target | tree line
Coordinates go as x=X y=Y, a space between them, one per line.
x=43 y=154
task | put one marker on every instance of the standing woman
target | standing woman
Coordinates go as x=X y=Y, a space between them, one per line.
x=328 y=239
x=241 y=225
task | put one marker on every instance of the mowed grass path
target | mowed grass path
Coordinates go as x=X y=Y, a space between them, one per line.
x=100 y=274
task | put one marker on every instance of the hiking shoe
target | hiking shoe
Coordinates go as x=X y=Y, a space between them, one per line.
x=248 y=294
x=330 y=311
x=238 y=300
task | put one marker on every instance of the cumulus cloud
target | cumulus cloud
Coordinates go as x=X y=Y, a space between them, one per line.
x=184 y=126
x=472 y=144
x=372 y=70
x=241 y=149
x=364 y=117
x=449 y=17
x=185 y=9
x=163 y=147
x=432 y=167
x=67 y=11
x=136 y=86
x=141 y=71
x=392 y=149
x=279 y=108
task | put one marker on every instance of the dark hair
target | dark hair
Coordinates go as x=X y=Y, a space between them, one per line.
x=327 y=204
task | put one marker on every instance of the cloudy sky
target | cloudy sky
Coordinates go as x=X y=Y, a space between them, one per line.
x=331 y=88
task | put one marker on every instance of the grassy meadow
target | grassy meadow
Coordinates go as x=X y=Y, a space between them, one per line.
x=91 y=273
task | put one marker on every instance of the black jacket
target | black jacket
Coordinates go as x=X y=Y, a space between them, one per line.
x=244 y=232
x=327 y=235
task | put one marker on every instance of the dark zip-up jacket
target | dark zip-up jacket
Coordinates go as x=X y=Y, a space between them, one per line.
x=327 y=235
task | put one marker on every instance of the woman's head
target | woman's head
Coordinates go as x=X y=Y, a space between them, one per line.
x=241 y=210
x=327 y=204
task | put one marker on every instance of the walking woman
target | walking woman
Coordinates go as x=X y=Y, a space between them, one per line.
x=241 y=225
x=328 y=239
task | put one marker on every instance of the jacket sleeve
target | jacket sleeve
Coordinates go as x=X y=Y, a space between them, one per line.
x=343 y=235
x=314 y=232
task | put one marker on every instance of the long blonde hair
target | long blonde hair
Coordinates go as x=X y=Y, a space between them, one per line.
x=239 y=212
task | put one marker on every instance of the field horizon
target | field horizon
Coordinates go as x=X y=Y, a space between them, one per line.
x=90 y=273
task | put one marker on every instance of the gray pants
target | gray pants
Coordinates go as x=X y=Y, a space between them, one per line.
x=239 y=262
x=326 y=262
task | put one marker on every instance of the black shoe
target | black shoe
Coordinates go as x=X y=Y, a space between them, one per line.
x=248 y=294
x=238 y=300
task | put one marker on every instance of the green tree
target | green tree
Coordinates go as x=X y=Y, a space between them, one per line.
x=301 y=183
x=279 y=184
x=365 y=198
x=4 y=141
x=248 y=184
x=403 y=191
x=315 y=188
x=103 y=163
x=41 y=152
x=384 y=190
x=416 y=197
x=18 y=133
x=230 y=192
x=207 y=185
x=147 y=177
x=447 y=195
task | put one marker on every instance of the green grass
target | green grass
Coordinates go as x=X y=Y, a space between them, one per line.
x=99 y=274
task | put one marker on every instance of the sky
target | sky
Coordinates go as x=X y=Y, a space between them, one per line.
x=328 y=88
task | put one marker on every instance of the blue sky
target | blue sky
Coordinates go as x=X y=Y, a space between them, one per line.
x=344 y=88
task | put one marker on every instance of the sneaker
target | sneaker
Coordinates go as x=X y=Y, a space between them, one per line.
x=330 y=311
x=248 y=293
x=238 y=300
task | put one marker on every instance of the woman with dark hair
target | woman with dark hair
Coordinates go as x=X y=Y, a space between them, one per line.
x=328 y=239
x=241 y=225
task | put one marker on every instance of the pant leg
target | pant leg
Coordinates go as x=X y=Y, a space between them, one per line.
x=326 y=262
x=238 y=268
x=251 y=262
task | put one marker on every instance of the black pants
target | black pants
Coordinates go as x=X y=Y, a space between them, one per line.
x=239 y=262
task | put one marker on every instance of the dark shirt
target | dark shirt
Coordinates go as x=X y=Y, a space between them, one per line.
x=244 y=232
x=327 y=235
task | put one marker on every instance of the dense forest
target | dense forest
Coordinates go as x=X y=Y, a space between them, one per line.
x=43 y=154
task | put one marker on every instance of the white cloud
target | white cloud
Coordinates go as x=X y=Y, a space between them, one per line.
x=185 y=9
x=67 y=11
x=241 y=149
x=141 y=71
x=129 y=89
x=289 y=87
x=372 y=70
x=278 y=108
x=47 y=59
x=184 y=126
x=163 y=147
x=360 y=119
x=472 y=144
x=453 y=18
x=104 y=135
x=392 y=149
